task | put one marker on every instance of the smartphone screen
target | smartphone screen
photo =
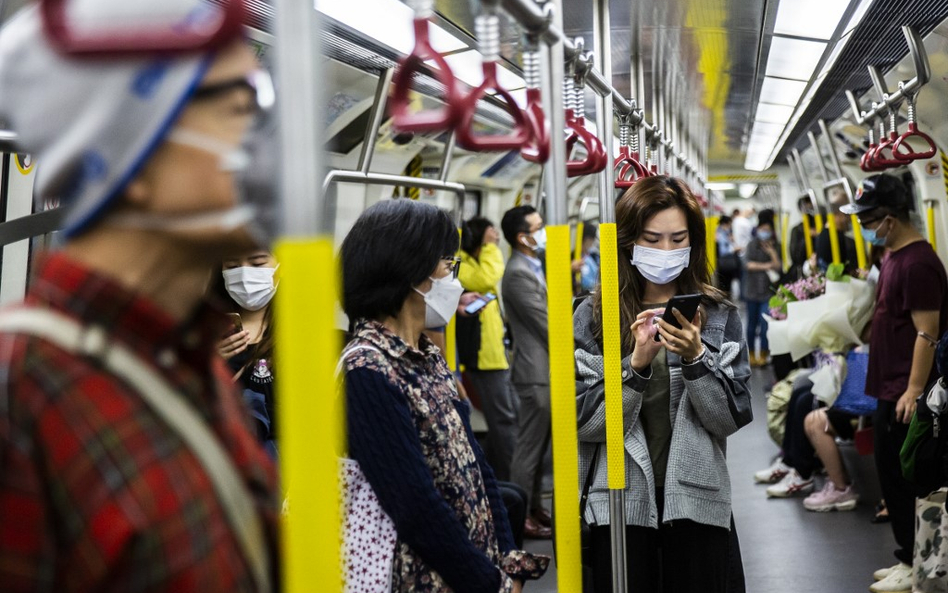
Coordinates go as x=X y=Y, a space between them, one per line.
x=237 y=321
x=687 y=305
x=479 y=304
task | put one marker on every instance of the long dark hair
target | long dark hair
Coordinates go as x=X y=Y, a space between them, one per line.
x=221 y=300
x=646 y=198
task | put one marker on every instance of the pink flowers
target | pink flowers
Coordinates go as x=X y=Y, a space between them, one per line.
x=801 y=290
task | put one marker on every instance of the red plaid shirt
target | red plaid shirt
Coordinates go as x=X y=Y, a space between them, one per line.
x=96 y=492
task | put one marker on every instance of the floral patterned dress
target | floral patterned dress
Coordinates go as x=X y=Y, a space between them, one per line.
x=454 y=462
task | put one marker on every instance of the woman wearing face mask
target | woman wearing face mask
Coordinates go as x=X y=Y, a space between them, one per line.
x=407 y=427
x=682 y=396
x=763 y=269
x=249 y=285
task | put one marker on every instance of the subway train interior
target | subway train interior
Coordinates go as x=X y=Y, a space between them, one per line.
x=772 y=113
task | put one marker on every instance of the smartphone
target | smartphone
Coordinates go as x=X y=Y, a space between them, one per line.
x=687 y=305
x=238 y=323
x=480 y=303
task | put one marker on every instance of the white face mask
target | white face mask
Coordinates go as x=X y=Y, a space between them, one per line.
x=539 y=238
x=251 y=288
x=658 y=265
x=441 y=302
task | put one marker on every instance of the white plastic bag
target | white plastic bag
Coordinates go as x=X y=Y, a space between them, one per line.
x=930 y=563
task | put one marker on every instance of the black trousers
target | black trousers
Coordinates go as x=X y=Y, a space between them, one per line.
x=899 y=494
x=798 y=452
x=515 y=500
x=683 y=557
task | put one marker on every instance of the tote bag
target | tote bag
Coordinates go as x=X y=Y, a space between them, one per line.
x=368 y=534
x=930 y=563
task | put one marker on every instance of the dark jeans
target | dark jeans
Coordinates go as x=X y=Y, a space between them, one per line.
x=683 y=557
x=515 y=499
x=899 y=494
x=798 y=452
x=755 y=321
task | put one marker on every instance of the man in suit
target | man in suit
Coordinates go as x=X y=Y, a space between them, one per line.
x=524 y=294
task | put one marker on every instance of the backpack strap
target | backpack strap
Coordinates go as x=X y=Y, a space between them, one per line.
x=171 y=407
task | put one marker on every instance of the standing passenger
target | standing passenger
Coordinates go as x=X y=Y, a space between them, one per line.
x=763 y=267
x=482 y=267
x=103 y=487
x=682 y=397
x=911 y=310
x=524 y=289
x=407 y=427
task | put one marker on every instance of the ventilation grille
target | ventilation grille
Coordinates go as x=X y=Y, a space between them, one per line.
x=877 y=41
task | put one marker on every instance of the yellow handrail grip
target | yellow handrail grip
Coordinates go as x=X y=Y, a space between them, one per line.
x=563 y=408
x=612 y=354
x=807 y=237
x=834 y=238
x=711 y=242
x=860 y=243
x=308 y=347
x=785 y=240
x=931 y=226
x=578 y=252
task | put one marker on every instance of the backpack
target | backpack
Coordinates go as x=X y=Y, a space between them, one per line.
x=924 y=454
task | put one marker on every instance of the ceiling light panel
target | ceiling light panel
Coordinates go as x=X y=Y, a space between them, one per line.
x=794 y=58
x=815 y=19
x=388 y=21
x=782 y=92
x=772 y=113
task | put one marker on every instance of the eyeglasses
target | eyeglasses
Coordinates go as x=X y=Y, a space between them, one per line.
x=454 y=265
x=871 y=221
x=258 y=83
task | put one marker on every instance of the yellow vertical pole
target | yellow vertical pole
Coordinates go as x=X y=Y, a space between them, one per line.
x=807 y=237
x=612 y=351
x=785 y=240
x=818 y=220
x=931 y=225
x=711 y=242
x=309 y=347
x=834 y=238
x=563 y=407
x=578 y=252
x=861 y=259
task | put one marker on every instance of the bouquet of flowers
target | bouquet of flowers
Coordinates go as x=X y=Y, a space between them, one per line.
x=819 y=313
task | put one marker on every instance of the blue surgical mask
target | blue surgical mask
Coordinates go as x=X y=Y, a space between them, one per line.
x=765 y=235
x=871 y=236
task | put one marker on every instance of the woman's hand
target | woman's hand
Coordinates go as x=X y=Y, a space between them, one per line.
x=233 y=345
x=685 y=342
x=646 y=348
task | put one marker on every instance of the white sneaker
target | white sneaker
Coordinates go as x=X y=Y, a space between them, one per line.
x=884 y=572
x=899 y=580
x=831 y=498
x=773 y=473
x=791 y=485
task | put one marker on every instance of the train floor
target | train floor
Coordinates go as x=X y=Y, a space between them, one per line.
x=785 y=548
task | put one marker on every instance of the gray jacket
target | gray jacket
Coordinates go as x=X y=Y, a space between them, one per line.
x=709 y=401
x=525 y=304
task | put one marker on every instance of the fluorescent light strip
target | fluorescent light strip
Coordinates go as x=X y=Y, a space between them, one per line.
x=781 y=92
x=772 y=113
x=388 y=22
x=815 y=19
x=794 y=59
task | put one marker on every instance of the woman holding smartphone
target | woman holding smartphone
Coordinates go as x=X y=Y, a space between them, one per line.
x=249 y=285
x=682 y=396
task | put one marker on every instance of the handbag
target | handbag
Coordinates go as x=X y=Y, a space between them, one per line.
x=852 y=397
x=368 y=533
x=924 y=454
x=930 y=558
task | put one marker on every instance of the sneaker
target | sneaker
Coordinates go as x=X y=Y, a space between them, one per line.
x=772 y=474
x=899 y=580
x=791 y=485
x=830 y=498
x=884 y=572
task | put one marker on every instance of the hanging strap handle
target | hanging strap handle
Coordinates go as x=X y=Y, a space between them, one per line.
x=628 y=158
x=885 y=157
x=913 y=132
x=171 y=407
x=537 y=149
x=596 y=159
x=398 y=104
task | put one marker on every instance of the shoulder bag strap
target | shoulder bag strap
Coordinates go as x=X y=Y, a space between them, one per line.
x=589 y=479
x=167 y=403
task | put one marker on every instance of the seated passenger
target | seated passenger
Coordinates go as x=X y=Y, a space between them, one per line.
x=407 y=428
x=682 y=396
x=112 y=389
x=248 y=288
